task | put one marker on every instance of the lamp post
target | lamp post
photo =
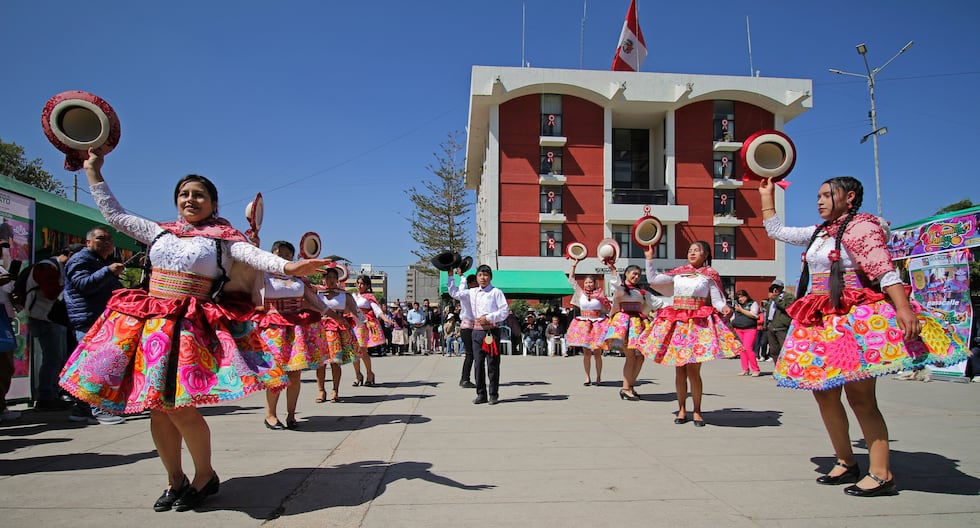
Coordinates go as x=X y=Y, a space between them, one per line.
x=875 y=131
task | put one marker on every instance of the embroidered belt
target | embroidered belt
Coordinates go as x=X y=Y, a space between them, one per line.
x=591 y=313
x=684 y=302
x=466 y=323
x=820 y=282
x=631 y=307
x=170 y=284
x=285 y=305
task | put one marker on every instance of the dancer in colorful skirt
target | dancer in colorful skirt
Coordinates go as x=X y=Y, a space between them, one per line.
x=690 y=331
x=173 y=347
x=854 y=323
x=370 y=334
x=631 y=306
x=588 y=329
x=290 y=328
x=340 y=318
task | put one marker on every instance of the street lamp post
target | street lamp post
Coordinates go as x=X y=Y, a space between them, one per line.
x=875 y=131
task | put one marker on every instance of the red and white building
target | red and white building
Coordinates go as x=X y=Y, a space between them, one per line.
x=561 y=156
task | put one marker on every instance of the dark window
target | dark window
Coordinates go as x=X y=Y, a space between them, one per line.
x=724 y=202
x=551 y=245
x=725 y=164
x=550 y=115
x=724 y=243
x=551 y=160
x=724 y=121
x=631 y=158
x=550 y=199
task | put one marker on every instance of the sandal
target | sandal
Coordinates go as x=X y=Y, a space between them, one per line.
x=334 y=397
x=370 y=381
x=322 y=397
x=358 y=382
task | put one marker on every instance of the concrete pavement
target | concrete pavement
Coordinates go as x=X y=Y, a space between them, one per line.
x=415 y=452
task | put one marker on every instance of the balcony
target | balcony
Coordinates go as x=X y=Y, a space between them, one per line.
x=726 y=146
x=727 y=183
x=639 y=196
x=728 y=220
x=551 y=218
x=555 y=141
x=551 y=179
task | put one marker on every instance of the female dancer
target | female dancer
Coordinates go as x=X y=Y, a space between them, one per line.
x=744 y=324
x=370 y=334
x=339 y=320
x=173 y=348
x=629 y=319
x=690 y=331
x=589 y=328
x=290 y=329
x=845 y=333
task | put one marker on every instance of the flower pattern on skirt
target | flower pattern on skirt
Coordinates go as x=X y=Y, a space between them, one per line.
x=587 y=333
x=624 y=331
x=370 y=334
x=864 y=343
x=295 y=347
x=680 y=337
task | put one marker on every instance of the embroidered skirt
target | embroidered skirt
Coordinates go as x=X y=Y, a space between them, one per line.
x=340 y=343
x=145 y=352
x=863 y=342
x=370 y=334
x=681 y=336
x=587 y=333
x=624 y=331
x=295 y=340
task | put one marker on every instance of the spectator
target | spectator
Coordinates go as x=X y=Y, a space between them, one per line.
x=45 y=289
x=533 y=341
x=744 y=324
x=6 y=356
x=91 y=279
x=399 y=332
x=776 y=319
x=416 y=323
x=553 y=333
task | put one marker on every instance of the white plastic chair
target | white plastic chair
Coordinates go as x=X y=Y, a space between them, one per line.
x=506 y=346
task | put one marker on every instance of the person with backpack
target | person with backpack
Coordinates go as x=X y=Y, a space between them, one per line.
x=47 y=325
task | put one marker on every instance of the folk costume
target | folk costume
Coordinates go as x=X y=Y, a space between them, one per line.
x=630 y=315
x=588 y=329
x=174 y=346
x=827 y=347
x=340 y=318
x=289 y=324
x=370 y=334
x=691 y=330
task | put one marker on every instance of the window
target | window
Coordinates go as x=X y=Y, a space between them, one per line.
x=551 y=115
x=724 y=202
x=629 y=249
x=724 y=243
x=551 y=245
x=550 y=199
x=728 y=289
x=551 y=160
x=724 y=121
x=631 y=159
x=725 y=164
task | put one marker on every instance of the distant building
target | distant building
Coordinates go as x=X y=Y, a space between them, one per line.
x=561 y=156
x=420 y=285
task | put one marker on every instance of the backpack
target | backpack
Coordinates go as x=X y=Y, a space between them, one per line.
x=18 y=295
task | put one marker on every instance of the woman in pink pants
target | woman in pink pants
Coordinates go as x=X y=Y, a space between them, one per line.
x=744 y=323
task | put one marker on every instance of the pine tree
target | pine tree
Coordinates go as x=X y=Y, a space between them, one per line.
x=13 y=163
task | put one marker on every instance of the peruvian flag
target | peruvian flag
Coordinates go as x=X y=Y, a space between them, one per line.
x=632 y=49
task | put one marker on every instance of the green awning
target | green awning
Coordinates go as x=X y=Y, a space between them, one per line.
x=521 y=284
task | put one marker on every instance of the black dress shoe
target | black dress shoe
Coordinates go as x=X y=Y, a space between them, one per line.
x=193 y=498
x=850 y=476
x=493 y=401
x=680 y=421
x=884 y=487
x=479 y=400
x=277 y=427
x=170 y=495
x=467 y=384
x=698 y=423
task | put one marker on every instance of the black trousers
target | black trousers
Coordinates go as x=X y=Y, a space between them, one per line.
x=466 y=334
x=487 y=365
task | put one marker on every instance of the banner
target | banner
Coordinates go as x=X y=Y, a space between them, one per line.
x=17 y=216
x=941 y=282
x=936 y=234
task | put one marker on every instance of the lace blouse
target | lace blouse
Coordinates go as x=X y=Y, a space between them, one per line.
x=686 y=286
x=188 y=254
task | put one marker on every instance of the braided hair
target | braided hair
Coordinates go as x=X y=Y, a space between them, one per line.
x=845 y=184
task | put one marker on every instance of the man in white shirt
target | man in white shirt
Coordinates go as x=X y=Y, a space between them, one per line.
x=490 y=310
x=465 y=324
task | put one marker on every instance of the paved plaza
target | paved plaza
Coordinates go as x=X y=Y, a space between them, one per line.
x=414 y=451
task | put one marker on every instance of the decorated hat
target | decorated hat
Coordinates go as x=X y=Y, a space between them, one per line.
x=647 y=231
x=576 y=251
x=608 y=250
x=255 y=212
x=76 y=121
x=309 y=246
x=768 y=154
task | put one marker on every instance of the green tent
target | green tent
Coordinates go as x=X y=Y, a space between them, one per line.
x=524 y=284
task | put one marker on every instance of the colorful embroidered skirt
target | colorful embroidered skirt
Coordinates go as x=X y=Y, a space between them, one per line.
x=863 y=343
x=163 y=354
x=296 y=341
x=340 y=343
x=678 y=337
x=587 y=333
x=624 y=331
x=370 y=334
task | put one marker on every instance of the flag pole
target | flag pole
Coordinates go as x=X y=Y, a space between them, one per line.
x=748 y=33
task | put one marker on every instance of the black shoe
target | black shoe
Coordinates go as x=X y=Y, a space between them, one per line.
x=479 y=400
x=884 y=487
x=278 y=426
x=698 y=423
x=627 y=395
x=493 y=401
x=680 y=421
x=170 y=496
x=467 y=384
x=193 y=498
x=851 y=476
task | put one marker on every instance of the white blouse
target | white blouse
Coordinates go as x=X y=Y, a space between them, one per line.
x=187 y=254
x=693 y=285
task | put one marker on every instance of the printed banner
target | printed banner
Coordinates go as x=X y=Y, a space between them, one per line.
x=941 y=282
x=934 y=236
x=17 y=216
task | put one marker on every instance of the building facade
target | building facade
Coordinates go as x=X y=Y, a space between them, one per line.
x=421 y=283
x=379 y=280
x=562 y=156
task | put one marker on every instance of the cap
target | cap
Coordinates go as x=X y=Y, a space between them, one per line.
x=777 y=282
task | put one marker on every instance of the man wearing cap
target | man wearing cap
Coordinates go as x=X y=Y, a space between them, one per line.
x=490 y=310
x=45 y=288
x=91 y=279
x=776 y=319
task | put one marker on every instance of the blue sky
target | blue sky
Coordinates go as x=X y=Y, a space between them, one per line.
x=333 y=109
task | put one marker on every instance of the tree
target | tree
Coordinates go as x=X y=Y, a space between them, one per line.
x=439 y=218
x=965 y=203
x=13 y=163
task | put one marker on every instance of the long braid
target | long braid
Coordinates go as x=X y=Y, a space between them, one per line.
x=846 y=184
x=805 y=274
x=836 y=274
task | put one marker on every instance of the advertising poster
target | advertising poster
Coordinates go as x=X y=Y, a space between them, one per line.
x=935 y=235
x=941 y=282
x=17 y=215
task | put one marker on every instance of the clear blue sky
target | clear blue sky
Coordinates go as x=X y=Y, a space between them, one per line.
x=333 y=109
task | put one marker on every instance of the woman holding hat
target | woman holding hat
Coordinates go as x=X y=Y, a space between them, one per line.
x=588 y=329
x=340 y=318
x=851 y=323
x=173 y=348
x=690 y=331
x=370 y=334
x=629 y=319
